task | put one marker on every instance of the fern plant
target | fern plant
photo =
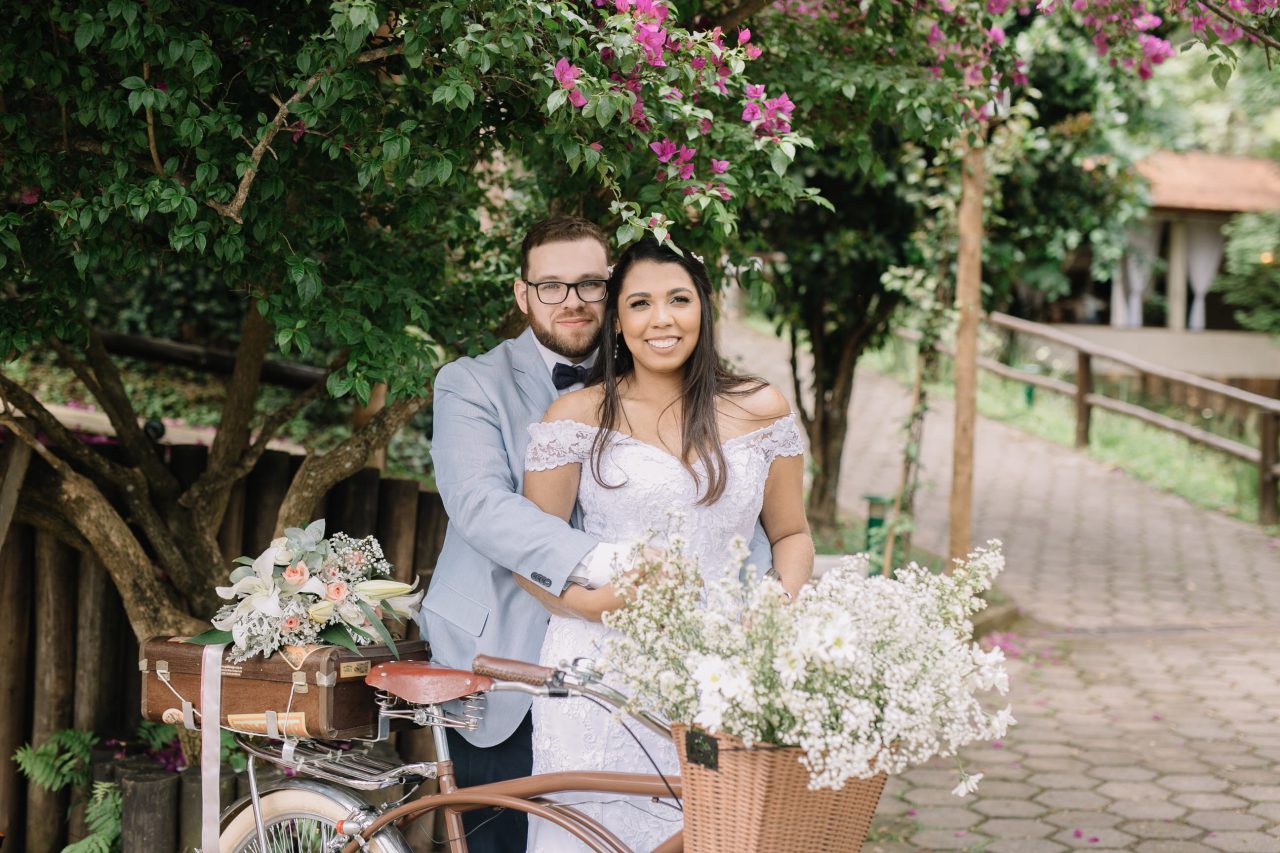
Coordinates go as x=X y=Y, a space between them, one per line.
x=102 y=818
x=60 y=761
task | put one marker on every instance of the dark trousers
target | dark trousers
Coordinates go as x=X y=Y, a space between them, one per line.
x=494 y=830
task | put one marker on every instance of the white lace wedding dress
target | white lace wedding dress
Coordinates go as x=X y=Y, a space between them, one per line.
x=575 y=734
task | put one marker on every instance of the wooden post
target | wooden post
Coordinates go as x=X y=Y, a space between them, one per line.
x=361 y=415
x=264 y=490
x=99 y=624
x=231 y=534
x=17 y=456
x=149 y=819
x=55 y=662
x=429 y=533
x=15 y=643
x=353 y=505
x=1084 y=387
x=969 y=305
x=397 y=524
x=1268 y=430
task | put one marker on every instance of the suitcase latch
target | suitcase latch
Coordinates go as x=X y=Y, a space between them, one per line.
x=300 y=682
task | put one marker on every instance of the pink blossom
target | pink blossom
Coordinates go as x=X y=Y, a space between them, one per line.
x=744 y=35
x=653 y=38
x=297 y=574
x=751 y=112
x=299 y=129
x=1146 y=21
x=753 y=52
x=597 y=146
x=577 y=98
x=935 y=35
x=719 y=167
x=724 y=192
x=698 y=63
x=638 y=117
x=665 y=150
x=998 y=7
x=685 y=154
x=755 y=91
x=30 y=195
x=622 y=6
x=704 y=126
x=566 y=73
x=674 y=95
x=686 y=171
x=996 y=34
x=336 y=591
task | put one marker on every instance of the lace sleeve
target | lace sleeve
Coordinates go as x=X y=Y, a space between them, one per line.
x=782 y=438
x=556 y=443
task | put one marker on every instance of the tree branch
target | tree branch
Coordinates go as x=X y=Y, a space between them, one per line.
x=237 y=412
x=17 y=396
x=115 y=402
x=151 y=604
x=1221 y=12
x=232 y=210
x=319 y=473
x=735 y=17
x=805 y=418
x=151 y=127
x=195 y=495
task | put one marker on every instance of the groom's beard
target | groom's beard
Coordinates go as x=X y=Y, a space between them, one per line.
x=570 y=343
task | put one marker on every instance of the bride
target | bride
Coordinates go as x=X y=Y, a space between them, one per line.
x=662 y=428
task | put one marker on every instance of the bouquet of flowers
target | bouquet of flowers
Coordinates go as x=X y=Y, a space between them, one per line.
x=307 y=589
x=863 y=674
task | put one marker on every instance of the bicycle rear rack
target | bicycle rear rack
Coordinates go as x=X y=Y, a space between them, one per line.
x=354 y=768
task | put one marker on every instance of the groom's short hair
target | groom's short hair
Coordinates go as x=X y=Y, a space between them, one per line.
x=559 y=229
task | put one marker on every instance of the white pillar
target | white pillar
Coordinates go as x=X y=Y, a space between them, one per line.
x=1177 y=277
x=1119 y=312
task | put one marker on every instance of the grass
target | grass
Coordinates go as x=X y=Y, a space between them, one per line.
x=1167 y=461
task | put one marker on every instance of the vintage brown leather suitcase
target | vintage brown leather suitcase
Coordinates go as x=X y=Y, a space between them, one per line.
x=317 y=691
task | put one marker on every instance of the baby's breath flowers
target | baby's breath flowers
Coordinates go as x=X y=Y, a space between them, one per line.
x=306 y=589
x=864 y=674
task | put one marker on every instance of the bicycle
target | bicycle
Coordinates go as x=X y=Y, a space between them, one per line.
x=311 y=813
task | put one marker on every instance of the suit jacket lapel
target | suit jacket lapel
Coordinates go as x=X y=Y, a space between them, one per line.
x=532 y=377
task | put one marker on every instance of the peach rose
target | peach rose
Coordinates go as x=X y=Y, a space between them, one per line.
x=336 y=591
x=291 y=623
x=296 y=575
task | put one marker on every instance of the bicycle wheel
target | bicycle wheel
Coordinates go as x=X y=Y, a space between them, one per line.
x=301 y=819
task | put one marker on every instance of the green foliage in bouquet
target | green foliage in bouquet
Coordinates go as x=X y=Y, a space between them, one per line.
x=306 y=589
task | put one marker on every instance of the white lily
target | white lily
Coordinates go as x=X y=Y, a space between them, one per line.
x=321 y=611
x=257 y=591
x=284 y=555
x=404 y=605
x=376 y=590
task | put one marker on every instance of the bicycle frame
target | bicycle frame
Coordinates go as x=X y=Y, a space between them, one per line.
x=527 y=794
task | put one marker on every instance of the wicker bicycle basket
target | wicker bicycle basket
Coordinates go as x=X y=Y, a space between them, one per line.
x=758 y=800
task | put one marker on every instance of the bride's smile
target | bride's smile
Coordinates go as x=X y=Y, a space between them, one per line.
x=660 y=315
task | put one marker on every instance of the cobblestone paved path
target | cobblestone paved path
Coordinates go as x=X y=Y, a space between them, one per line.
x=1148 y=692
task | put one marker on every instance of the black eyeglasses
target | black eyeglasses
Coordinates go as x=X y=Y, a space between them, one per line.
x=555 y=292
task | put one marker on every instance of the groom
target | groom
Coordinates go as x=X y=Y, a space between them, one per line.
x=483 y=407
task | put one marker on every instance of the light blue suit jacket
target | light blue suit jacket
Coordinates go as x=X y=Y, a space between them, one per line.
x=482 y=410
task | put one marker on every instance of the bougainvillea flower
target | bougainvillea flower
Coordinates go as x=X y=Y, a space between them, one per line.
x=666 y=149
x=566 y=74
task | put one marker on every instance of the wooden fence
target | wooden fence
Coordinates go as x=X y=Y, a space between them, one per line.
x=1265 y=410
x=70 y=658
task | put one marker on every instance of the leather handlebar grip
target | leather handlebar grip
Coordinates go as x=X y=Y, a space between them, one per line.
x=505 y=669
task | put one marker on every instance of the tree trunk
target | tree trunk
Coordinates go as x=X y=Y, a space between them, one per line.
x=969 y=305
x=55 y=660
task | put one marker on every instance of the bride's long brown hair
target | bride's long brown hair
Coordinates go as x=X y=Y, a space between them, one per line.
x=705 y=378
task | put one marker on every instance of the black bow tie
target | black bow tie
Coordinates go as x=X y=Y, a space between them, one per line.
x=563 y=375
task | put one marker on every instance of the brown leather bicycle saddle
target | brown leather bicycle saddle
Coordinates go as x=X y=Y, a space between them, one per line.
x=425 y=683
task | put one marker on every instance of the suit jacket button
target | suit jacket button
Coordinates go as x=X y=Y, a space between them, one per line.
x=541 y=578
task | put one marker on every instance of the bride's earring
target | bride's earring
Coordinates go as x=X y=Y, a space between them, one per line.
x=616 y=333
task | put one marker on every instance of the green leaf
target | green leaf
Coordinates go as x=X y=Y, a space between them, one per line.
x=337 y=635
x=556 y=100
x=133 y=83
x=779 y=161
x=212 y=637
x=85 y=33
x=1221 y=75
x=379 y=627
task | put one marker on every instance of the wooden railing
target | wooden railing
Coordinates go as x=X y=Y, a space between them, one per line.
x=1265 y=457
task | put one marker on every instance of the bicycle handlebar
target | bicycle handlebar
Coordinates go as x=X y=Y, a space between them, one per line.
x=507 y=669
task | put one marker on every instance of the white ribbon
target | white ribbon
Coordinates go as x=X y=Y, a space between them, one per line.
x=210 y=745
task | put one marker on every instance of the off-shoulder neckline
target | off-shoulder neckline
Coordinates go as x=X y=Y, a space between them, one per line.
x=790 y=416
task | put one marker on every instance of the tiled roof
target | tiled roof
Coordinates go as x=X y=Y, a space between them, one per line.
x=1211 y=182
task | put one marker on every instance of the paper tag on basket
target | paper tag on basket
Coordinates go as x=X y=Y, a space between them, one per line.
x=702 y=748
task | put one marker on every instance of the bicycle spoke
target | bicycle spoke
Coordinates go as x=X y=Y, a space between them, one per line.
x=295 y=834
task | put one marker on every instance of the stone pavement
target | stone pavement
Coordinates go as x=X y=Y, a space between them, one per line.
x=1147 y=681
